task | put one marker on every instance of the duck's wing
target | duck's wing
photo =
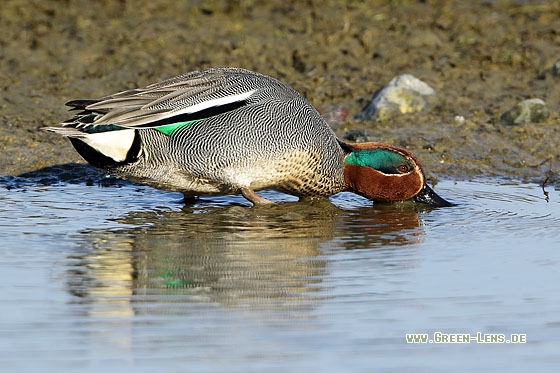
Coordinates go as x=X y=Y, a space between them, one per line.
x=191 y=96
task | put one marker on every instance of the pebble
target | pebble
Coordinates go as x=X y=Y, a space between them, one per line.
x=556 y=69
x=404 y=94
x=529 y=111
x=459 y=119
x=333 y=114
x=361 y=135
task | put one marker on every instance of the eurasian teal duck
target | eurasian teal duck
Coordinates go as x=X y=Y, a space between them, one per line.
x=229 y=130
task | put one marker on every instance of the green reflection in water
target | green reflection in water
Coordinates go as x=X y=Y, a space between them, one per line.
x=273 y=257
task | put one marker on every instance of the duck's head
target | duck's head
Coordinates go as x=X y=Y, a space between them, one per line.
x=386 y=173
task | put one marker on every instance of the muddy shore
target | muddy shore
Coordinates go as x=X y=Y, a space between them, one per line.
x=481 y=57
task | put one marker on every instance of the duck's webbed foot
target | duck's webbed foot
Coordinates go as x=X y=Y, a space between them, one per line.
x=254 y=197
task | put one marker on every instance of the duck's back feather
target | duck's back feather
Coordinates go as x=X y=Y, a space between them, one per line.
x=184 y=94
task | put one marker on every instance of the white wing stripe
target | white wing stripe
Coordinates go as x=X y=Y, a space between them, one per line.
x=216 y=102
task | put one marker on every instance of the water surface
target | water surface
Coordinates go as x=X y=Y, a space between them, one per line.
x=102 y=274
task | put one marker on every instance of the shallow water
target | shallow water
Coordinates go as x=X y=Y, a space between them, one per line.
x=98 y=273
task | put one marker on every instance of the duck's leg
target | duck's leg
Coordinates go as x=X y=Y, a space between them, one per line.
x=254 y=197
x=306 y=199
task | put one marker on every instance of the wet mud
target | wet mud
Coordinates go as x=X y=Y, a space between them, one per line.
x=481 y=57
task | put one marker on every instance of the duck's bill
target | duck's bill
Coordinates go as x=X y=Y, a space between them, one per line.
x=429 y=197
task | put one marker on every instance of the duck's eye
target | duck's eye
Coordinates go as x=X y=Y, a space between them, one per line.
x=403 y=168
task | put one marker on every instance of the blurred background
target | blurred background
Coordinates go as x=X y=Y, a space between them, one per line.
x=481 y=57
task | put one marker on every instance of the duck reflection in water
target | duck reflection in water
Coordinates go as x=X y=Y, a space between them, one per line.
x=273 y=257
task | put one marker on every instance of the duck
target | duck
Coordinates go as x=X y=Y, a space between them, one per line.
x=228 y=130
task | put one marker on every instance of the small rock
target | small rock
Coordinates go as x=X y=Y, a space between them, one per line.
x=459 y=119
x=556 y=69
x=333 y=114
x=404 y=94
x=359 y=136
x=528 y=111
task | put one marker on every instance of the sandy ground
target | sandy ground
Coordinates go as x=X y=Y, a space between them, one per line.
x=482 y=57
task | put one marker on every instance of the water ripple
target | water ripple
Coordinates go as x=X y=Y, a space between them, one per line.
x=501 y=210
